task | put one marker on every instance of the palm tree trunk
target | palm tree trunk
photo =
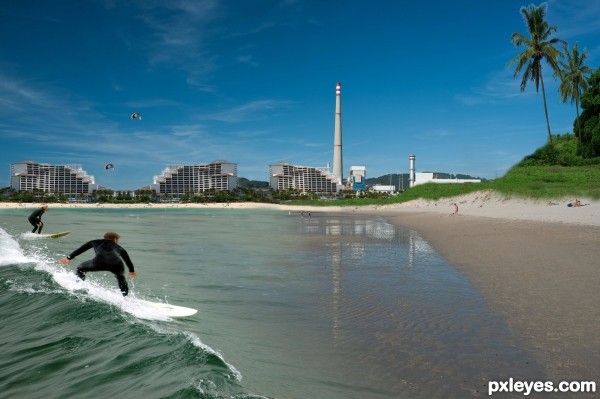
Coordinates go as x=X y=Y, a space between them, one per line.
x=546 y=110
x=578 y=137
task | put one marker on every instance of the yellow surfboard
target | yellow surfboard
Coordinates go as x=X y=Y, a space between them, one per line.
x=56 y=235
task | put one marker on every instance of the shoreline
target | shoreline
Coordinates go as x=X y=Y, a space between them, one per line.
x=534 y=262
x=484 y=204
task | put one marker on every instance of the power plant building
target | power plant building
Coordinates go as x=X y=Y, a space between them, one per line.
x=357 y=178
x=338 y=166
x=417 y=178
x=284 y=176
x=430 y=177
x=185 y=179
x=52 y=179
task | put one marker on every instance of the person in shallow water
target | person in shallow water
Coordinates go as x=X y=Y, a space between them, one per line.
x=109 y=257
x=36 y=219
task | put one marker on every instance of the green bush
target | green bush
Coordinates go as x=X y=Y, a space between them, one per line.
x=564 y=152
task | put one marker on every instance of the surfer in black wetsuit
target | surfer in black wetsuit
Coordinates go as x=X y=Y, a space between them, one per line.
x=109 y=257
x=36 y=219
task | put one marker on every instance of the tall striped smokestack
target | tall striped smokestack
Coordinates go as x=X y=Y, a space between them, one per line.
x=411 y=170
x=337 y=140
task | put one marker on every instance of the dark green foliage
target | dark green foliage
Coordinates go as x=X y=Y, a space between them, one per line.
x=589 y=133
x=574 y=75
x=564 y=152
x=245 y=183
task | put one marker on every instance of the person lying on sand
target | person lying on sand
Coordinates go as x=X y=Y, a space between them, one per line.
x=576 y=204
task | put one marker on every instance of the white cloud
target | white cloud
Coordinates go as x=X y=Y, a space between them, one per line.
x=252 y=111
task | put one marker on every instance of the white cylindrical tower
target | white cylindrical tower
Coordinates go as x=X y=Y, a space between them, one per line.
x=411 y=170
x=337 y=139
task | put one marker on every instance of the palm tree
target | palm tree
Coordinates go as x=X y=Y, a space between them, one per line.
x=574 y=75
x=539 y=46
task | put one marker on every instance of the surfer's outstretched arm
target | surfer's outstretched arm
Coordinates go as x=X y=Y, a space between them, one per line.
x=80 y=250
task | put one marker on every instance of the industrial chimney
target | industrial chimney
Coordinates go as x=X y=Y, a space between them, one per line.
x=337 y=140
x=411 y=169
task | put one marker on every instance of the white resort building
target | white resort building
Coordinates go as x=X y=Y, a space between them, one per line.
x=283 y=176
x=185 y=179
x=54 y=179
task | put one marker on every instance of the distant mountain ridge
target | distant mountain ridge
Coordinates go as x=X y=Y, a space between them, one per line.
x=245 y=183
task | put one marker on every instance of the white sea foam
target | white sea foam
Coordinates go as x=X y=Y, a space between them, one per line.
x=10 y=251
x=32 y=236
x=96 y=291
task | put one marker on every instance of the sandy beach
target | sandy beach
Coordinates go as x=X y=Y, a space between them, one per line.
x=535 y=262
x=542 y=277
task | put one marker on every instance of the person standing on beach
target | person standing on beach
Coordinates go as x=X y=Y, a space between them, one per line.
x=109 y=257
x=455 y=213
x=36 y=219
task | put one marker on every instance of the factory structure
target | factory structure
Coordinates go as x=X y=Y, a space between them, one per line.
x=338 y=165
x=179 y=180
x=417 y=178
x=357 y=178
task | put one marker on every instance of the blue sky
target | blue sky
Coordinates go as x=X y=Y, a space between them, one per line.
x=253 y=82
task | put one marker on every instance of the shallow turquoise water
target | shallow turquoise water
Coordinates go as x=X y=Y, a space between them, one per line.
x=331 y=306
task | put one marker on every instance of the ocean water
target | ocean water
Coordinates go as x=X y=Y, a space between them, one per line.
x=329 y=306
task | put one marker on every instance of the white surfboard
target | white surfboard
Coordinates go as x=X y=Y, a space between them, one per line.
x=169 y=310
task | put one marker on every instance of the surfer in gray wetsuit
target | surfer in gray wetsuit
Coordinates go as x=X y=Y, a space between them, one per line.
x=109 y=257
x=36 y=219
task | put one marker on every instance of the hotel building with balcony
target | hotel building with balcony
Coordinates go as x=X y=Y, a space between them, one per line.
x=284 y=176
x=52 y=179
x=185 y=179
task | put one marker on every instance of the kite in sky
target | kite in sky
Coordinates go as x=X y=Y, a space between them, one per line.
x=136 y=115
x=109 y=166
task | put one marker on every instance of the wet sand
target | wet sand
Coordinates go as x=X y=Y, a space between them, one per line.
x=543 y=278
